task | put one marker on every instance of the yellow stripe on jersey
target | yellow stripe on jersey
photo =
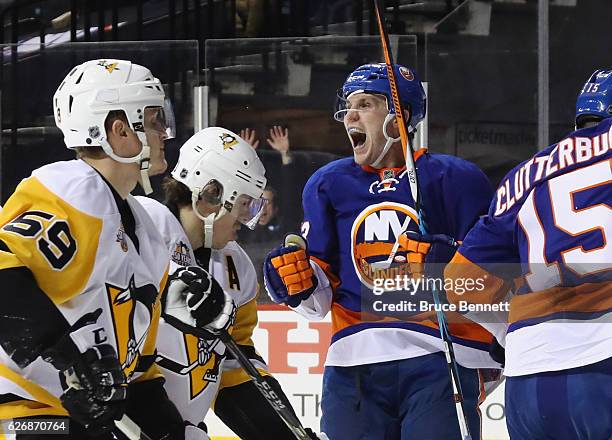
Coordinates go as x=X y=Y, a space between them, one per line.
x=246 y=321
x=57 y=242
x=44 y=404
x=237 y=376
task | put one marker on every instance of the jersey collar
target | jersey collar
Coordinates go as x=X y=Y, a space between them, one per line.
x=380 y=171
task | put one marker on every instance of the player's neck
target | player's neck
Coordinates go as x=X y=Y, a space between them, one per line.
x=122 y=176
x=394 y=157
x=192 y=226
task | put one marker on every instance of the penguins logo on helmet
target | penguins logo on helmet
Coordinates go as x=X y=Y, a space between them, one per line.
x=406 y=73
x=109 y=67
x=228 y=141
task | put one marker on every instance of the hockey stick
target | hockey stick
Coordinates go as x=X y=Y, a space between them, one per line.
x=264 y=388
x=386 y=264
x=285 y=413
x=414 y=189
x=130 y=429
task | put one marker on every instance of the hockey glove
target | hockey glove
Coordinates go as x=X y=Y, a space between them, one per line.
x=196 y=300
x=95 y=388
x=288 y=276
x=427 y=254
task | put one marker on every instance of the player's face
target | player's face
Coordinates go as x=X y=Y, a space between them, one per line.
x=364 y=124
x=156 y=136
x=225 y=229
x=269 y=210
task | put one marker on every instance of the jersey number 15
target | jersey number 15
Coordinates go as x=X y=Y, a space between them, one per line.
x=572 y=221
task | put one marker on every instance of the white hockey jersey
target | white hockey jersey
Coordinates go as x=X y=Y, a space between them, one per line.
x=195 y=369
x=63 y=227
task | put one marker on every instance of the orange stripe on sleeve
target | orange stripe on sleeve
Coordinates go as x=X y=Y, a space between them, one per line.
x=488 y=290
x=585 y=298
x=334 y=281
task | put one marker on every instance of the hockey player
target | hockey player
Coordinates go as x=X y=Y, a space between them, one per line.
x=216 y=186
x=548 y=225
x=385 y=378
x=82 y=265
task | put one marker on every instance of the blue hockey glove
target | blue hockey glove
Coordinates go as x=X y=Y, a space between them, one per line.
x=288 y=276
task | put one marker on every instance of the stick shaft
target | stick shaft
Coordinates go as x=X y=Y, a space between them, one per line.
x=264 y=388
x=130 y=429
x=416 y=195
x=399 y=109
x=284 y=412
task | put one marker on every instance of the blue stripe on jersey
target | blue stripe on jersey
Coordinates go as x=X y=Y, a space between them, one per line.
x=405 y=326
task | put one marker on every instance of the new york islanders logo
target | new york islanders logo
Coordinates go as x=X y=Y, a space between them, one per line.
x=406 y=73
x=373 y=235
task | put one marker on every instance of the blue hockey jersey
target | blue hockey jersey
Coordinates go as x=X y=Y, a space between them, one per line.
x=352 y=217
x=546 y=235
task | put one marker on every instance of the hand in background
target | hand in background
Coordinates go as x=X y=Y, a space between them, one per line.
x=279 y=141
x=250 y=136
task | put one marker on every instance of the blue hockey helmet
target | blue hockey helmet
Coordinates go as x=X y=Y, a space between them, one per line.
x=595 y=99
x=373 y=78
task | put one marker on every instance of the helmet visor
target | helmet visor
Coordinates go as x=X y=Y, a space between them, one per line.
x=248 y=210
x=160 y=120
x=357 y=101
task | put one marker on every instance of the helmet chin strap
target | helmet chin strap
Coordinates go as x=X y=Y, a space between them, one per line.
x=143 y=158
x=390 y=141
x=145 y=163
x=208 y=220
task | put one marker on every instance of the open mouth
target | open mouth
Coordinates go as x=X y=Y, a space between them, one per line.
x=357 y=136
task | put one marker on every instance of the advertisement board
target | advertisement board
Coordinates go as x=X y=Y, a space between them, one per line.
x=295 y=349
